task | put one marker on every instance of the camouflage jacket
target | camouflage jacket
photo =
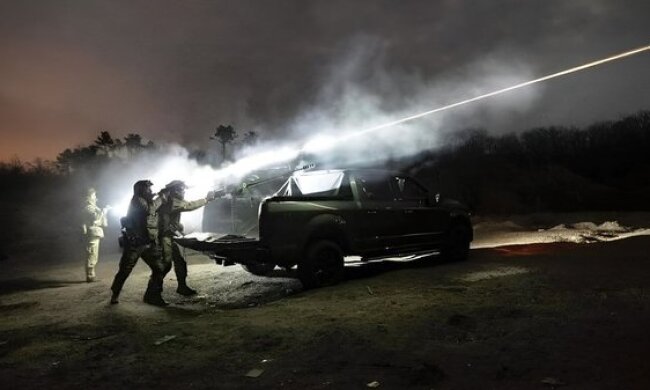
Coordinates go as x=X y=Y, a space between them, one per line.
x=142 y=219
x=94 y=220
x=170 y=214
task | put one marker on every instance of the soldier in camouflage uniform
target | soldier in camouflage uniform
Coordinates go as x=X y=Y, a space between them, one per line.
x=169 y=217
x=141 y=240
x=94 y=219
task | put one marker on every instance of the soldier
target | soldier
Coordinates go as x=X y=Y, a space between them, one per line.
x=170 y=226
x=140 y=239
x=94 y=219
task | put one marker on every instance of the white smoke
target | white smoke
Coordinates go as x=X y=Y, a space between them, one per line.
x=359 y=92
x=167 y=163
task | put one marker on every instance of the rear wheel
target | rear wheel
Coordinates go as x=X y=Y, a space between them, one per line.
x=322 y=265
x=259 y=269
x=456 y=246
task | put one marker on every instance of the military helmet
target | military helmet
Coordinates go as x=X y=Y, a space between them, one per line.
x=176 y=188
x=141 y=186
x=176 y=185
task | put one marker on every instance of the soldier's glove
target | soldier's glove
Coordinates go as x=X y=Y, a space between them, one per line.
x=212 y=195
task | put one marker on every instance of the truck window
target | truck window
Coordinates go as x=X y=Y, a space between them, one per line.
x=375 y=188
x=406 y=189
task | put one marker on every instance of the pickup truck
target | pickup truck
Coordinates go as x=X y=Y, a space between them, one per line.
x=318 y=218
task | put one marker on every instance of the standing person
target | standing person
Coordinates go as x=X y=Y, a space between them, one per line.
x=140 y=234
x=94 y=220
x=170 y=225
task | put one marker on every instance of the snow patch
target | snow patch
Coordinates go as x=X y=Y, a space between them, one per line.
x=491 y=235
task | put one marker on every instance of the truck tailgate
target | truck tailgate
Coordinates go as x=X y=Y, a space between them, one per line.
x=236 y=248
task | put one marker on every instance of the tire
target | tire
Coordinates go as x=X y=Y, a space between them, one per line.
x=259 y=269
x=456 y=246
x=322 y=265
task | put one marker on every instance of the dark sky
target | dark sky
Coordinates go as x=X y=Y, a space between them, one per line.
x=174 y=70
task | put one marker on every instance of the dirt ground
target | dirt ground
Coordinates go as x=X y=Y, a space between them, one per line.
x=571 y=311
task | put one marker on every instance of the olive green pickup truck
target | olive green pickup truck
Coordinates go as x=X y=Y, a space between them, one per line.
x=318 y=218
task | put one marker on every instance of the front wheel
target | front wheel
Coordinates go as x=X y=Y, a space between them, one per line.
x=456 y=245
x=322 y=265
x=259 y=269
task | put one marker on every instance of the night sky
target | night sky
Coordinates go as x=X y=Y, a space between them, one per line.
x=174 y=70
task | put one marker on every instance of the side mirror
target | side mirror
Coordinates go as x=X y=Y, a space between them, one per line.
x=434 y=199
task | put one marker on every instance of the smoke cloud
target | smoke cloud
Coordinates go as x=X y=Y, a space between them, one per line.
x=357 y=93
x=360 y=93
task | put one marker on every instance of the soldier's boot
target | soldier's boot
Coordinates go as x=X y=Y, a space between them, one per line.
x=180 y=268
x=153 y=295
x=90 y=275
x=115 y=295
x=116 y=288
x=154 y=299
x=184 y=289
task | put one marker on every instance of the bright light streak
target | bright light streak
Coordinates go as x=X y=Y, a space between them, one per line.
x=256 y=161
x=322 y=143
x=497 y=92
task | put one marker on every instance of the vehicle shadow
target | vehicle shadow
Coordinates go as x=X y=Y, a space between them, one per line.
x=28 y=284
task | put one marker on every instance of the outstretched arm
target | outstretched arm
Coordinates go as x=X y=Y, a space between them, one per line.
x=179 y=205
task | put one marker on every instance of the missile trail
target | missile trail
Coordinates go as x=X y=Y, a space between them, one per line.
x=320 y=143
x=497 y=92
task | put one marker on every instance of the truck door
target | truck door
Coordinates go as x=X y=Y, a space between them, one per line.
x=378 y=219
x=422 y=224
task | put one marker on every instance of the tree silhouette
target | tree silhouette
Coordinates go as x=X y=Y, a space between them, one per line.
x=133 y=141
x=250 y=138
x=134 y=145
x=71 y=160
x=198 y=155
x=224 y=135
x=106 y=144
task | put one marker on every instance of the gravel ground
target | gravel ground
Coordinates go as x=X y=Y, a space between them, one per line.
x=537 y=315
